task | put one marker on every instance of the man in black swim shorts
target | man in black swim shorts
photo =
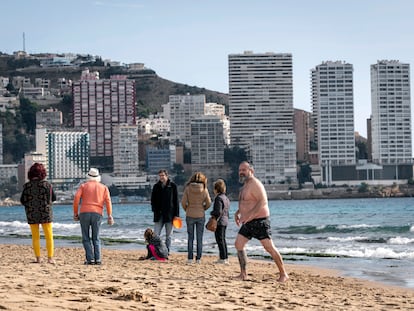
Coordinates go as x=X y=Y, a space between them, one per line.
x=253 y=216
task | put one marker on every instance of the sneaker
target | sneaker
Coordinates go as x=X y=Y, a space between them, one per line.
x=189 y=261
x=222 y=261
x=198 y=261
x=88 y=262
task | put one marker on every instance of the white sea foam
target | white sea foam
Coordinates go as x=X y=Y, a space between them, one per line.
x=346 y=239
x=400 y=240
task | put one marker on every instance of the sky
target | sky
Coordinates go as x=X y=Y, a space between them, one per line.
x=188 y=41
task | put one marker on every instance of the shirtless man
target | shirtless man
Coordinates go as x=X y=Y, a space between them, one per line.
x=253 y=216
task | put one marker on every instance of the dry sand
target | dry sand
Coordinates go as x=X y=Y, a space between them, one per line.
x=123 y=282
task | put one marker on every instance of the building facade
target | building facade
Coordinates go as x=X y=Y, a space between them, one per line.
x=207 y=142
x=274 y=156
x=260 y=95
x=125 y=148
x=183 y=109
x=98 y=105
x=391 y=113
x=333 y=109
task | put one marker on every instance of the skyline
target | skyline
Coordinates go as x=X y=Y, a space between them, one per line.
x=189 y=43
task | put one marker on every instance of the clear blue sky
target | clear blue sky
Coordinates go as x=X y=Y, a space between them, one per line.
x=188 y=41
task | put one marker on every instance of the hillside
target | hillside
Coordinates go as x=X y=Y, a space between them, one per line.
x=152 y=91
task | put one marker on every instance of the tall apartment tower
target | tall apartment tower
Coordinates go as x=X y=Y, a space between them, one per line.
x=301 y=127
x=98 y=105
x=391 y=113
x=333 y=109
x=183 y=109
x=126 y=158
x=260 y=95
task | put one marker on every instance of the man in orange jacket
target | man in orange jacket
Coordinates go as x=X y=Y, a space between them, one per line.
x=94 y=196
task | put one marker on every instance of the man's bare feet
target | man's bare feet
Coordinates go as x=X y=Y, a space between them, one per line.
x=241 y=277
x=283 y=278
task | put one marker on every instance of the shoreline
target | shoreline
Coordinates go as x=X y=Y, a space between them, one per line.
x=124 y=282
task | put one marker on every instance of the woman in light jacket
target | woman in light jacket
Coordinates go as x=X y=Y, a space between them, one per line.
x=196 y=200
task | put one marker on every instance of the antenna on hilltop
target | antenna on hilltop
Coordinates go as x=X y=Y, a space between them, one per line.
x=24 y=43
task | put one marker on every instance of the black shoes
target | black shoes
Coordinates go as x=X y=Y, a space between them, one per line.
x=98 y=263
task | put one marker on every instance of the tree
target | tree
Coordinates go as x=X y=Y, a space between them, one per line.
x=305 y=173
x=28 y=112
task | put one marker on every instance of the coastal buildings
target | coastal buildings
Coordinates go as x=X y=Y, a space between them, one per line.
x=183 y=109
x=261 y=110
x=391 y=113
x=333 y=110
x=260 y=95
x=98 y=105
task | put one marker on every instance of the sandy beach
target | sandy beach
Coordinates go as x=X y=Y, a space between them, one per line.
x=123 y=282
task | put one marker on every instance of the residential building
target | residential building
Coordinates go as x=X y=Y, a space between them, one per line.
x=391 y=113
x=125 y=148
x=333 y=110
x=98 y=105
x=301 y=127
x=274 y=156
x=49 y=118
x=214 y=109
x=260 y=95
x=207 y=143
x=183 y=109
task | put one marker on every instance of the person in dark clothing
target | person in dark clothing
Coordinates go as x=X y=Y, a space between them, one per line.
x=164 y=205
x=37 y=198
x=221 y=213
x=155 y=247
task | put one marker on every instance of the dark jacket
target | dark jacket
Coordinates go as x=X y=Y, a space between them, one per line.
x=221 y=209
x=37 y=198
x=159 y=246
x=164 y=201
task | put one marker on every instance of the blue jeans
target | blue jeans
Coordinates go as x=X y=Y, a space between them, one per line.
x=198 y=223
x=168 y=229
x=91 y=222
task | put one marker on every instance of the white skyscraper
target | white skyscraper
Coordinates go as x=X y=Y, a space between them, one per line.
x=391 y=113
x=333 y=108
x=260 y=95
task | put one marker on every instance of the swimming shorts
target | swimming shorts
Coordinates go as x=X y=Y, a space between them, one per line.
x=257 y=228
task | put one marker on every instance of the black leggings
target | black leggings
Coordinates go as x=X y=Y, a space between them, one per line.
x=220 y=235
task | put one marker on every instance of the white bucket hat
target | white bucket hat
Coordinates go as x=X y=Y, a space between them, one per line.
x=94 y=174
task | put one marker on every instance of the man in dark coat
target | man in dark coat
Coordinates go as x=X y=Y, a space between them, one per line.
x=165 y=205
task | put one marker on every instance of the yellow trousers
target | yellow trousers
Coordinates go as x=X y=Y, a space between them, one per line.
x=48 y=231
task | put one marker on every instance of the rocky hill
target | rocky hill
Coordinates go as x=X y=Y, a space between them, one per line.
x=152 y=91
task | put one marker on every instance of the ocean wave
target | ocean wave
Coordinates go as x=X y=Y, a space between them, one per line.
x=344 y=229
x=400 y=240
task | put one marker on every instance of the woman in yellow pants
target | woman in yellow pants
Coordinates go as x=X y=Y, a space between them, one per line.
x=37 y=198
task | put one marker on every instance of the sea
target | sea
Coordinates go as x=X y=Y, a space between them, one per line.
x=371 y=239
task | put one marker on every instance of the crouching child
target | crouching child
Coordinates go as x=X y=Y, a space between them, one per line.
x=156 y=249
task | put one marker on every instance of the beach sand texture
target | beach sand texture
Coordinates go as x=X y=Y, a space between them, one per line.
x=123 y=282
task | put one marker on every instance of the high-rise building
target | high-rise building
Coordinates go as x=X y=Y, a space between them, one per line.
x=67 y=155
x=301 y=127
x=274 y=156
x=333 y=109
x=207 y=142
x=391 y=113
x=126 y=159
x=260 y=95
x=183 y=109
x=98 y=105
